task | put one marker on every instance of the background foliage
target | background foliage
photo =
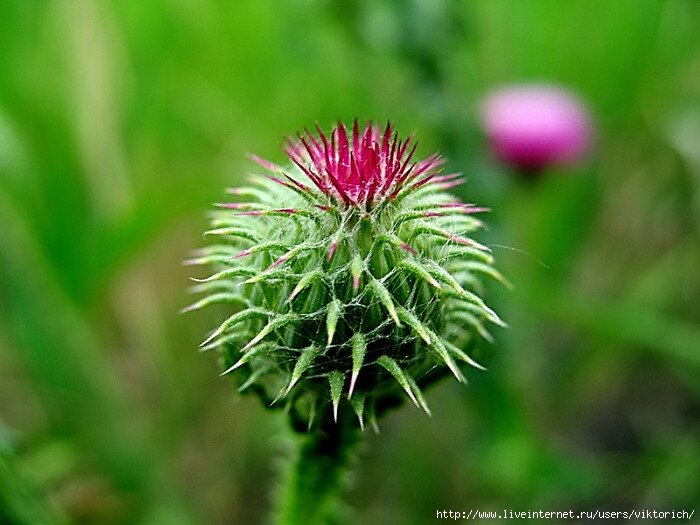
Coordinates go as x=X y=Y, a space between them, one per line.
x=121 y=122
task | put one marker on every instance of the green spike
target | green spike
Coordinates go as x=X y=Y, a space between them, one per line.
x=336 y=380
x=231 y=272
x=216 y=249
x=444 y=276
x=395 y=370
x=279 y=213
x=359 y=347
x=472 y=298
x=306 y=358
x=465 y=252
x=233 y=231
x=223 y=219
x=335 y=308
x=356 y=266
x=233 y=320
x=480 y=310
x=486 y=269
x=257 y=373
x=465 y=223
x=213 y=259
x=433 y=204
x=474 y=321
x=214 y=286
x=438 y=207
x=235 y=336
x=412 y=321
x=469 y=281
x=463 y=305
x=463 y=355
x=250 y=354
x=275 y=270
x=358 y=405
x=407 y=216
x=270 y=274
x=263 y=247
x=391 y=239
x=419 y=271
x=455 y=216
x=439 y=348
x=306 y=280
x=244 y=207
x=493 y=316
x=419 y=396
x=385 y=298
x=216 y=298
x=429 y=229
x=274 y=324
x=300 y=248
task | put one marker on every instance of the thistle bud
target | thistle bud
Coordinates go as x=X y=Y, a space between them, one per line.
x=352 y=277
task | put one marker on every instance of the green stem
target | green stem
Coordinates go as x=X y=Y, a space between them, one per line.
x=311 y=487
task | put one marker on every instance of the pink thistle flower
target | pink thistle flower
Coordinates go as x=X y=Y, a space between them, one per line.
x=533 y=126
x=359 y=168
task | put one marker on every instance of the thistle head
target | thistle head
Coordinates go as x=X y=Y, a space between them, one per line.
x=351 y=275
x=535 y=126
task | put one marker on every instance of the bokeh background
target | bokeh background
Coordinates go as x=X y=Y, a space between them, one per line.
x=122 y=121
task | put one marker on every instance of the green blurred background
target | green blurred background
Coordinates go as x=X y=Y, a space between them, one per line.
x=122 y=121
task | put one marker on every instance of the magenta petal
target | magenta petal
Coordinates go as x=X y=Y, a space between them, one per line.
x=360 y=167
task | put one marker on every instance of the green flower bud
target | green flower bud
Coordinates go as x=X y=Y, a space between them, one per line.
x=352 y=278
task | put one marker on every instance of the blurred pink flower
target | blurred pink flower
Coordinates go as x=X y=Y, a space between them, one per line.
x=533 y=126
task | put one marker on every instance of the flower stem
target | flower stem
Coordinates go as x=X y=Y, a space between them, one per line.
x=312 y=485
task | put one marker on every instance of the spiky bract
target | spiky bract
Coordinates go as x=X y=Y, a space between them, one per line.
x=351 y=276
